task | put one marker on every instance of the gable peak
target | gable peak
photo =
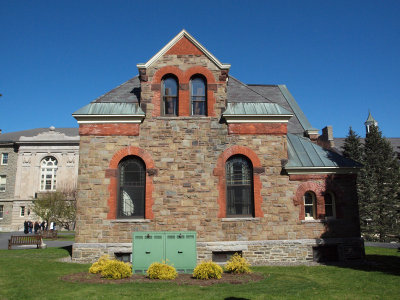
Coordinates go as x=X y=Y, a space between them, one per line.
x=189 y=43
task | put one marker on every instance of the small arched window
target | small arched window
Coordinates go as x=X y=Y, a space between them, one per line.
x=310 y=206
x=239 y=186
x=330 y=206
x=198 y=97
x=48 y=173
x=132 y=188
x=170 y=96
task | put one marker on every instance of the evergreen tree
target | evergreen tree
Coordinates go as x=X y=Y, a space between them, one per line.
x=379 y=188
x=352 y=146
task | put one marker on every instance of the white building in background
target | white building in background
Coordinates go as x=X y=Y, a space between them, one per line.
x=38 y=160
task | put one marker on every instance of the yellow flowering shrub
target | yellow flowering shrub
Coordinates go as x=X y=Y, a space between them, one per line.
x=237 y=264
x=161 y=270
x=207 y=270
x=111 y=268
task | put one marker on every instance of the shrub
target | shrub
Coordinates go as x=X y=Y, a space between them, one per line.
x=98 y=266
x=111 y=268
x=161 y=270
x=237 y=264
x=207 y=270
x=115 y=269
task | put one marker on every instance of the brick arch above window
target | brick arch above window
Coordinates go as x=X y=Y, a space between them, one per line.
x=319 y=188
x=183 y=78
x=112 y=173
x=220 y=172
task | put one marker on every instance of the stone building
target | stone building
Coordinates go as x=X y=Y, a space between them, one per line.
x=184 y=146
x=34 y=161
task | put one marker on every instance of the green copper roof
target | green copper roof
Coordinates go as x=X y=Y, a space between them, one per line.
x=110 y=109
x=305 y=154
x=256 y=109
x=370 y=118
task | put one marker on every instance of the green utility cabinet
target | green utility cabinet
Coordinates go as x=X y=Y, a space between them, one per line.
x=176 y=247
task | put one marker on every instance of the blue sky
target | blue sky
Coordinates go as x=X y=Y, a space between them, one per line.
x=338 y=58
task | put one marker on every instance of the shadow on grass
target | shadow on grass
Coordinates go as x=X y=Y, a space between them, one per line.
x=68 y=248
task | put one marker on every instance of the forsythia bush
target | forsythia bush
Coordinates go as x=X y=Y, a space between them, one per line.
x=237 y=264
x=207 y=270
x=111 y=268
x=161 y=271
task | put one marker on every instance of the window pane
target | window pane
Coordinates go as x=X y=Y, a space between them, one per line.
x=239 y=186
x=198 y=96
x=132 y=184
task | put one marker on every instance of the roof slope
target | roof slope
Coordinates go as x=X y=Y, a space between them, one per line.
x=305 y=154
x=127 y=92
x=16 y=135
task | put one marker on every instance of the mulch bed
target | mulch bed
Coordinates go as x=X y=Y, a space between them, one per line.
x=182 y=279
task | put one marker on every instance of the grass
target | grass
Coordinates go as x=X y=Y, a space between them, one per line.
x=35 y=273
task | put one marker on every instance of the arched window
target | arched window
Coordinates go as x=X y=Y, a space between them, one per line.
x=239 y=186
x=198 y=95
x=132 y=188
x=330 y=207
x=310 y=206
x=170 y=96
x=48 y=174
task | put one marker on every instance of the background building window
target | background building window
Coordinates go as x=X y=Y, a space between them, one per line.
x=170 y=96
x=239 y=185
x=22 y=211
x=1 y=211
x=330 y=209
x=132 y=188
x=4 y=158
x=48 y=174
x=310 y=207
x=3 y=181
x=198 y=96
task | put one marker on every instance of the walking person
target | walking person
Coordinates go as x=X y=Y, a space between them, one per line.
x=26 y=230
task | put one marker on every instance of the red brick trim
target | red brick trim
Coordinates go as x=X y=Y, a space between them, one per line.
x=184 y=93
x=319 y=188
x=220 y=172
x=258 y=128
x=184 y=47
x=111 y=173
x=107 y=129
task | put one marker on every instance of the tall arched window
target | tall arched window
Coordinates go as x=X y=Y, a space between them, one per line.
x=310 y=206
x=48 y=174
x=239 y=186
x=132 y=188
x=330 y=207
x=198 y=95
x=170 y=96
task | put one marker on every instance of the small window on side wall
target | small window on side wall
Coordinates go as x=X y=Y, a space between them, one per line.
x=170 y=96
x=4 y=159
x=310 y=206
x=198 y=97
x=330 y=206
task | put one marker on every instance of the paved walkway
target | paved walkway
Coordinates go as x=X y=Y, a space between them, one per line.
x=5 y=236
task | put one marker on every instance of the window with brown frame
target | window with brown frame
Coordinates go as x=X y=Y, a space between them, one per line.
x=170 y=96
x=132 y=188
x=239 y=187
x=198 y=94
x=330 y=207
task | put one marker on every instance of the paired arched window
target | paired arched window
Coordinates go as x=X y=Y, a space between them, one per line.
x=170 y=96
x=310 y=206
x=239 y=187
x=132 y=188
x=330 y=206
x=198 y=94
x=48 y=173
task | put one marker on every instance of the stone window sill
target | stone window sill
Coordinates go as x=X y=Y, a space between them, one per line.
x=131 y=221
x=314 y=221
x=239 y=219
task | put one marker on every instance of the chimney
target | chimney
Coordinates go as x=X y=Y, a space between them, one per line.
x=325 y=140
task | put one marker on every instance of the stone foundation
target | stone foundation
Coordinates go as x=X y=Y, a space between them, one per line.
x=258 y=253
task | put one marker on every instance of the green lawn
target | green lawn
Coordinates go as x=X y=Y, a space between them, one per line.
x=34 y=274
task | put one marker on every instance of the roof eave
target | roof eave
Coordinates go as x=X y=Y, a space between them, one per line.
x=95 y=119
x=321 y=170
x=173 y=42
